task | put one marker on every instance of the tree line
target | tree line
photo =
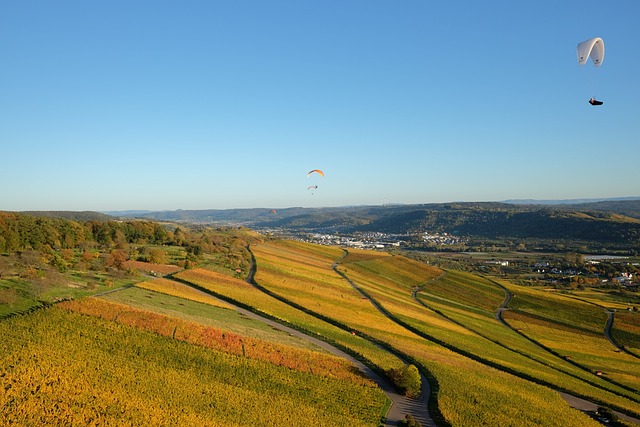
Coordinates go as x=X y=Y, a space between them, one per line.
x=26 y=232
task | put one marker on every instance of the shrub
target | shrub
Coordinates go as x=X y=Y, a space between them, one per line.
x=406 y=379
x=608 y=415
x=409 y=421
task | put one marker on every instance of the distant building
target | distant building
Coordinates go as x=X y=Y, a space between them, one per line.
x=501 y=263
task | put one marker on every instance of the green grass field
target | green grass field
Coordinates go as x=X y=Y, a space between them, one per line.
x=19 y=295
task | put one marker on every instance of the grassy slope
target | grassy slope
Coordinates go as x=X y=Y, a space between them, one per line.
x=180 y=290
x=626 y=331
x=479 y=293
x=26 y=282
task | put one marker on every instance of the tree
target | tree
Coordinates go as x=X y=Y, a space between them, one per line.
x=159 y=234
x=573 y=259
x=67 y=254
x=179 y=236
x=157 y=256
x=58 y=262
x=117 y=259
x=89 y=256
x=119 y=239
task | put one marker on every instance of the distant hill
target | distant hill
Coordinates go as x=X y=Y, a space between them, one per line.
x=611 y=222
x=629 y=208
x=72 y=215
x=567 y=201
x=127 y=213
x=214 y=215
x=505 y=222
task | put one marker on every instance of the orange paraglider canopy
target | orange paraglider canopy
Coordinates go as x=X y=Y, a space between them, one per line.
x=318 y=171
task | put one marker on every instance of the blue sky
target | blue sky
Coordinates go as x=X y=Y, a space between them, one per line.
x=113 y=105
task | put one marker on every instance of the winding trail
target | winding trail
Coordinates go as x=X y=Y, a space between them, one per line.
x=400 y=404
x=573 y=401
x=611 y=313
x=507 y=299
x=607 y=333
x=607 y=329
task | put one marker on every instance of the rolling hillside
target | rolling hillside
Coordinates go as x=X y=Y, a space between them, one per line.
x=402 y=318
x=613 y=224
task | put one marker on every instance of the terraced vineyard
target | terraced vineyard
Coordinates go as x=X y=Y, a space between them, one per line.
x=128 y=366
x=243 y=294
x=180 y=345
x=478 y=381
x=573 y=329
x=626 y=331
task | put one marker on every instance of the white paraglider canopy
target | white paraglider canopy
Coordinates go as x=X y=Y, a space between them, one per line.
x=592 y=48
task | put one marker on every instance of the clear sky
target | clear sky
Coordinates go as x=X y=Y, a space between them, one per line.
x=151 y=104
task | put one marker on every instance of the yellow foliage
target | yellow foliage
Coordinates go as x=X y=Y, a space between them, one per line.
x=61 y=368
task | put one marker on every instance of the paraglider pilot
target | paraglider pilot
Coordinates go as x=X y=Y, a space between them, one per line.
x=594 y=49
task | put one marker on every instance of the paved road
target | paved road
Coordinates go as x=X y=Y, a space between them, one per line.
x=585 y=405
x=573 y=401
x=607 y=333
x=400 y=405
x=503 y=307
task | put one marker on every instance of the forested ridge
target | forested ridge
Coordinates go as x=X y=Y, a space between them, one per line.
x=606 y=225
x=20 y=231
x=602 y=227
x=617 y=227
x=613 y=223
